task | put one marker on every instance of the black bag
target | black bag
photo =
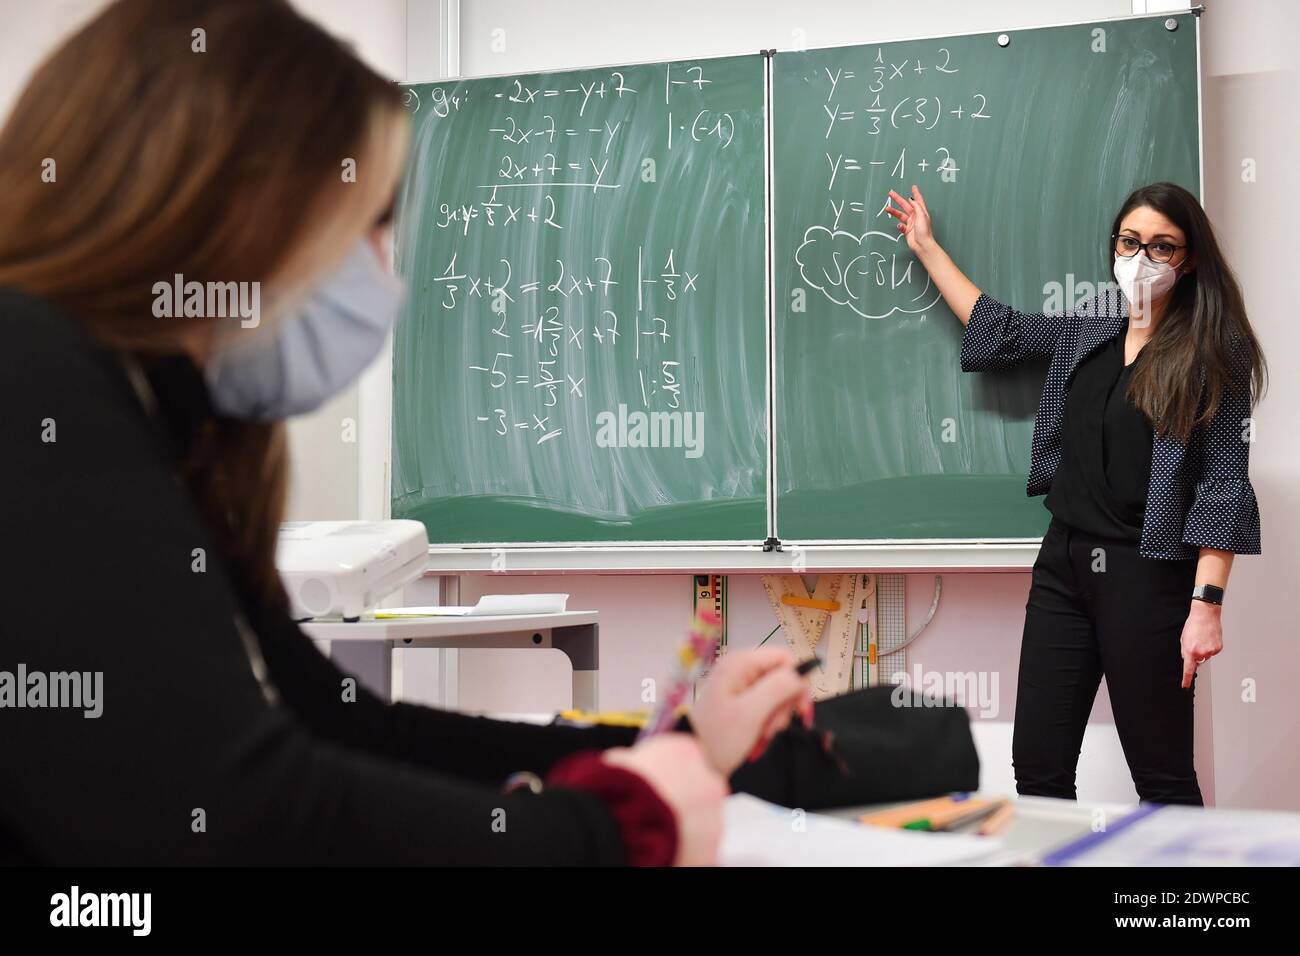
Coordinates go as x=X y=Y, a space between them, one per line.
x=869 y=746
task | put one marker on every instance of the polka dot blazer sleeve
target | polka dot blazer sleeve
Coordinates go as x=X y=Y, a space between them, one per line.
x=997 y=336
x=1224 y=513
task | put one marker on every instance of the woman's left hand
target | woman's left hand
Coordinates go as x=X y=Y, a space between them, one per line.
x=748 y=698
x=1202 y=637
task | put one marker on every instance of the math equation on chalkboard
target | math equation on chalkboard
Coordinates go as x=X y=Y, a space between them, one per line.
x=586 y=258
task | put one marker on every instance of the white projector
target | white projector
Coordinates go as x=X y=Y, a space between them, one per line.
x=344 y=568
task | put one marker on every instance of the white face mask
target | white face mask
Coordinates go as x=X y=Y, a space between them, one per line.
x=1142 y=280
x=317 y=351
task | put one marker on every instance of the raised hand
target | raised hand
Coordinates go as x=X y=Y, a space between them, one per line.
x=913 y=220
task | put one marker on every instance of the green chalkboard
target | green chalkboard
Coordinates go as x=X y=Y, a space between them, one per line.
x=583 y=354
x=878 y=432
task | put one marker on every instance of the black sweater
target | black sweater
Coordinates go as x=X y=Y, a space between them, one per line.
x=192 y=761
x=1101 y=486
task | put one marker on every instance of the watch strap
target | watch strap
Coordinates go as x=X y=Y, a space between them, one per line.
x=1209 y=593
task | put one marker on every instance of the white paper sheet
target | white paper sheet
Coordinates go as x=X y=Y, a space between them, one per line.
x=500 y=604
x=758 y=833
x=521 y=604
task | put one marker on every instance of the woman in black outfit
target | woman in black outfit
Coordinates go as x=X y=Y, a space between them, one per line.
x=219 y=734
x=1141 y=444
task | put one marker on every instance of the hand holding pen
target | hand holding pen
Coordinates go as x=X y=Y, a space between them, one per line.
x=749 y=698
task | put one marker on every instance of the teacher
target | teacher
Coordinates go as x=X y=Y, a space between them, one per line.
x=1141 y=444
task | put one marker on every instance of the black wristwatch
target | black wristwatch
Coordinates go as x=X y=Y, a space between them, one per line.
x=1209 y=593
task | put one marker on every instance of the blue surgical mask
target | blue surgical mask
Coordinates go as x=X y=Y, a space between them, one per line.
x=317 y=350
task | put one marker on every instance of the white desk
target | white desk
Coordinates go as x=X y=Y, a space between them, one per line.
x=365 y=648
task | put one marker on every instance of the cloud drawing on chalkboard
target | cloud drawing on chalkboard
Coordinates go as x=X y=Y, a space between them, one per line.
x=872 y=274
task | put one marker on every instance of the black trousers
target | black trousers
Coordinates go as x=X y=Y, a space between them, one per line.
x=1097 y=607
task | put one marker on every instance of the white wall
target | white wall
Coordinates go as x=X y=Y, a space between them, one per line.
x=1250 y=74
x=28 y=32
x=327 y=448
x=509 y=36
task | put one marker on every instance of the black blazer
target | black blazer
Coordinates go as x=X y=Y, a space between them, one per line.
x=1199 y=493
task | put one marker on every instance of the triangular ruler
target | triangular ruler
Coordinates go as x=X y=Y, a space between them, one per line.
x=804 y=626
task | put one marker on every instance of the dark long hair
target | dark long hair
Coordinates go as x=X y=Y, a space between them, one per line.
x=1204 y=328
x=212 y=164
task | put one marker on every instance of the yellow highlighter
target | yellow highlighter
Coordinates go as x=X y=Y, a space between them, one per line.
x=608 y=718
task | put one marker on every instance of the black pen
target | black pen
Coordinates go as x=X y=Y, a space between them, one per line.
x=808 y=666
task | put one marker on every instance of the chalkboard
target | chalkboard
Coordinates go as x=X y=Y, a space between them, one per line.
x=878 y=433
x=583 y=353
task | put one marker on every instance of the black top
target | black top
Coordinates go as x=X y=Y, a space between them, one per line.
x=1101 y=485
x=98 y=570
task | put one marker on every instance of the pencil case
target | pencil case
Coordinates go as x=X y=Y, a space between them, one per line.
x=868 y=746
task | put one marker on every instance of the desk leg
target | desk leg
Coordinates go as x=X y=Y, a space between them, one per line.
x=370 y=662
x=582 y=644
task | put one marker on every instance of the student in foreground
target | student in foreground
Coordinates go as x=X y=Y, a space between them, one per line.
x=143 y=454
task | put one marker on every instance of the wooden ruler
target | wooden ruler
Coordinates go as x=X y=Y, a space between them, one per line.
x=711 y=594
x=806 y=618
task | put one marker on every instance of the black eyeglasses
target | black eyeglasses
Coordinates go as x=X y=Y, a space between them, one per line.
x=1128 y=246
